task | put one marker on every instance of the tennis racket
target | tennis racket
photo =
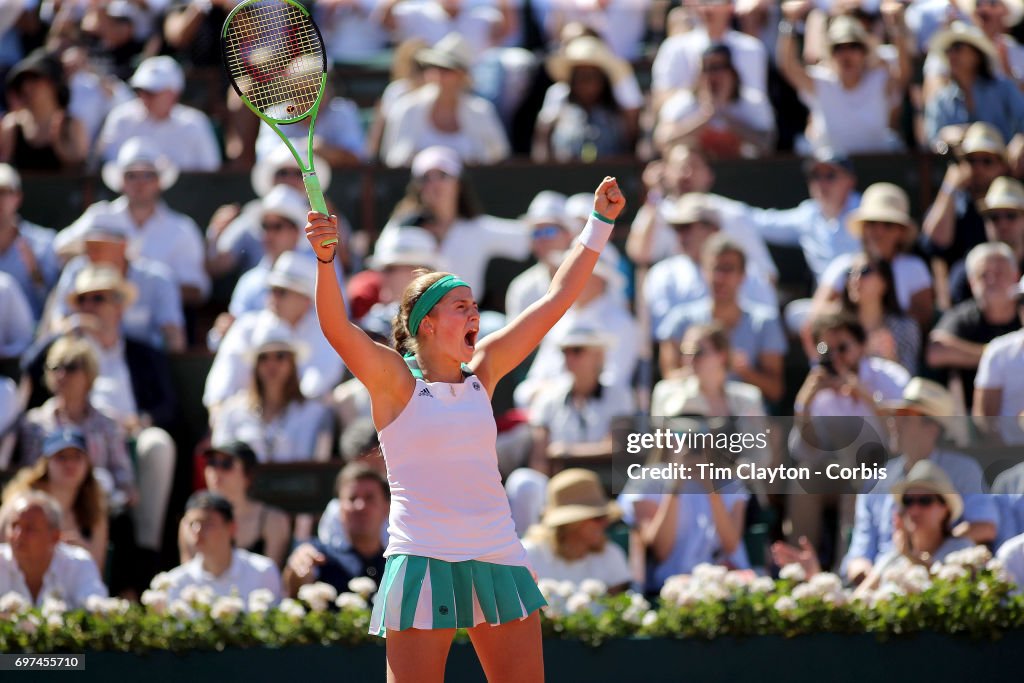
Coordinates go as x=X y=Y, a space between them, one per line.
x=276 y=62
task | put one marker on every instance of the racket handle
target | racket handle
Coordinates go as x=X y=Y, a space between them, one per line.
x=316 y=199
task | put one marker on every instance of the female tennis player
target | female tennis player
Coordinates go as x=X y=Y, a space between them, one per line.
x=454 y=560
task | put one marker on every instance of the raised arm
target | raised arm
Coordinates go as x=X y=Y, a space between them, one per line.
x=378 y=367
x=786 y=54
x=501 y=352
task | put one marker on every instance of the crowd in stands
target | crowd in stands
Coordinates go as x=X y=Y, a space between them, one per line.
x=912 y=323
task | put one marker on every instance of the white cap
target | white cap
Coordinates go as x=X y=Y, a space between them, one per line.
x=287 y=202
x=274 y=335
x=547 y=207
x=405 y=246
x=9 y=177
x=157 y=74
x=437 y=158
x=295 y=273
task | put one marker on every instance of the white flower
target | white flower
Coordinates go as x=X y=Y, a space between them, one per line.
x=318 y=596
x=260 y=600
x=983 y=586
x=565 y=588
x=835 y=598
x=351 y=601
x=637 y=600
x=292 y=608
x=826 y=582
x=593 y=587
x=896 y=569
x=737 y=580
x=650 y=619
x=673 y=588
x=556 y=607
x=55 y=621
x=363 y=585
x=633 y=615
x=29 y=624
x=548 y=588
x=785 y=605
x=155 y=600
x=804 y=590
x=578 y=602
x=762 y=584
x=711 y=592
x=885 y=592
x=975 y=557
x=13 y=603
x=226 y=607
x=916 y=579
x=52 y=605
x=161 y=582
x=181 y=610
x=197 y=596
x=995 y=565
x=100 y=605
x=711 y=573
x=792 y=572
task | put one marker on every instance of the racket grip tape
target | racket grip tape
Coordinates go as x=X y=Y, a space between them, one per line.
x=316 y=199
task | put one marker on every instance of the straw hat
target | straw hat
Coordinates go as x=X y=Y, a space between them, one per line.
x=925 y=474
x=575 y=495
x=983 y=137
x=1003 y=193
x=138 y=153
x=405 y=246
x=95 y=278
x=262 y=175
x=886 y=203
x=846 y=30
x=930 y=399
x=692 y=207
x=287 y=202
x=451 y=52
x=588 y=51
x=1015 y=10
x=960 y=32
x=276 y=336
x=295 y=273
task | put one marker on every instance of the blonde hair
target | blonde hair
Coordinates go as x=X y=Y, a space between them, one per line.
x=89 y=506
x=72 y=350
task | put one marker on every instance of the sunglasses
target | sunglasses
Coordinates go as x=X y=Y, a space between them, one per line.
x=1000 y=216
x=573 y=350
x=70 y=366
x=140 y=175
x=69 y=455
x=275 y=226
x=224 y=463
x=94 y=298
x=924 y=500
x=282 y=173
x=274 y=355
x=546 y=232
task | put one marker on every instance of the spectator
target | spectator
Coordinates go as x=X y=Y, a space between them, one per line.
x=850 y=98
x=365 y=501
x=996 y=395
x=481 y=24
x=360 y=448
x=678 y=62
x=290 y=304
x=92 y=93
x=590 y=123
x=262 y=529
x=352 y=31
x=440 y=200
x=953 y=224
x=570 y=543
x=976 y=90
x=26 y=249
x=572 y=416
x=704 y=387
x=182 y=134
x=155 y=230
x=886 y=230
x=964 y=331
x=406 y=76
x=39 y=133
x=927 y=505
x=870 y=296
x=155 y=316
x=993 y=17
x=922 y=419
x=546 y=217
x=619 y=23
x=35 y=564
x=757 y=341
x=272 y=415
x=444 y=112
x=1011 y=553
x=1003 y=212
x=721 y=115
x=218 y=565
x=65 y=472
x=16 y=324
x=678 y=280
x=338 y=139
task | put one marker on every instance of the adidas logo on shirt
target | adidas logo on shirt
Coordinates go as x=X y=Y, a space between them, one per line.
x=425 y=392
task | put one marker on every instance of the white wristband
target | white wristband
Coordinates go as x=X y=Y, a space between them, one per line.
x=596 y=233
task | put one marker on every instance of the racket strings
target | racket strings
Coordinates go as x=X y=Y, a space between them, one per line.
x=276 y=58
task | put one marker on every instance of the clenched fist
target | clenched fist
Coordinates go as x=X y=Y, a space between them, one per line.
x=608 y=199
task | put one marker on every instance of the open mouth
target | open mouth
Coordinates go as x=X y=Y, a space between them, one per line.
x=471 y=337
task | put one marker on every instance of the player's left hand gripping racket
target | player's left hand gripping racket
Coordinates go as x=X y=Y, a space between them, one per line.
x=275 y=58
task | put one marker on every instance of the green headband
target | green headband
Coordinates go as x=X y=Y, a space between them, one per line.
x=429 y=299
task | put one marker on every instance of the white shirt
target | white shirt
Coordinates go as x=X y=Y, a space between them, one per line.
x=910 y=275
x=471 y=243
x=290 y=437
x=427 y=20
x=620 y=23
x=854 y=121
x=351 y=32
x=678 y=62
x=72 y=577
x=185 y=137
x=1000 y=368
x=168 y=237
x=407 y=130
x=248 y=572
x=883 y=378
x=751 y=108
x=17 y=325
x=526 y=288
x=112 y=391
x=231 y=371
x=553 y=409
x=609 y=565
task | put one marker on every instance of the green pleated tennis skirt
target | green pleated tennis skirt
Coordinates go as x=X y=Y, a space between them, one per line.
x=426 y=593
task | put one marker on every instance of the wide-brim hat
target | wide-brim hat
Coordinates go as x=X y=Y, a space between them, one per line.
x=960 y=32
x=847 y=30
x=932 y=400
x=983 y=137
x=1015 y=10
x=885 y=203
x=587 y=51
x=287 y=202
x=262 y=174
x=575 y=495
x=451 y=52
x=276 y=336
x=925 y=474
x=138 y=153
x=406 y=246
x=96 y=278
x=1003 y=193
x=294 y=272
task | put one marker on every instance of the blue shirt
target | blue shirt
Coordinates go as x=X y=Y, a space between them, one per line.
x=821 y=238
x=996 y=101
x=251 y=290
x=758 y=330
x=872 y=526
x=40 y=242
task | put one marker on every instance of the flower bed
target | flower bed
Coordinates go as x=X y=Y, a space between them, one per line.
x=968 y=595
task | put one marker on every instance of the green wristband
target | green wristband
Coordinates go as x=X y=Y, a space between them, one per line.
x=610 y=221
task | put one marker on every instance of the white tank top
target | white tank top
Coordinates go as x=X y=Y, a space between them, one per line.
x=447 y=501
